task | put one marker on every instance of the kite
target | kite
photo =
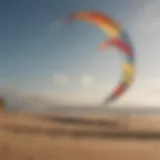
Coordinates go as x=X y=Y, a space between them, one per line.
x=118 y=38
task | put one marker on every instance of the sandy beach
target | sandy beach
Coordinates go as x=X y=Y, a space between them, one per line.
x=27 y=137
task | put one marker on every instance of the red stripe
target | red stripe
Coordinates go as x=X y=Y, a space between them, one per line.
x=123 y=46
x=119 y=90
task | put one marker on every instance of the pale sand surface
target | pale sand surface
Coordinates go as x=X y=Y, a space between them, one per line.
x=36 y=146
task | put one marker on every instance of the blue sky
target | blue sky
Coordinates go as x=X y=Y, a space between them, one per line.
x=39 y=56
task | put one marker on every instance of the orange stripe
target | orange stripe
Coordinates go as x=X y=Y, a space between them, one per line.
x=97 y=17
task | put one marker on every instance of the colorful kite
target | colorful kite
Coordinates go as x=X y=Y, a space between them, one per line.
x=118 y=38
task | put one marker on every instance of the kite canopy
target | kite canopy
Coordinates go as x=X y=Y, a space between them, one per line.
x=118 y=38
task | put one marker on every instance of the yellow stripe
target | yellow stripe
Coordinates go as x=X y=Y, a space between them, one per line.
x=113 y=32
x=129 y=71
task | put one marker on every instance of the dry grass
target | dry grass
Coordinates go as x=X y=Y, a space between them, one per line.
x=29 y=146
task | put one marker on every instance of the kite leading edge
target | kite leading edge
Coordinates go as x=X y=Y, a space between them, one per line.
x=119 y=39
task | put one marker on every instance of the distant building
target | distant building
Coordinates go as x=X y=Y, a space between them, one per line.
x=2 y=104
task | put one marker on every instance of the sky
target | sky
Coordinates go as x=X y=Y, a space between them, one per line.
x=41 y=57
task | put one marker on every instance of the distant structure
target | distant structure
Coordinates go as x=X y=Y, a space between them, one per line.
x=2 y=104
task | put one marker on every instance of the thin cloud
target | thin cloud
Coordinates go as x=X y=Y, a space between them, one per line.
x=86 y=80
x=61 y=80
x=147 y=18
